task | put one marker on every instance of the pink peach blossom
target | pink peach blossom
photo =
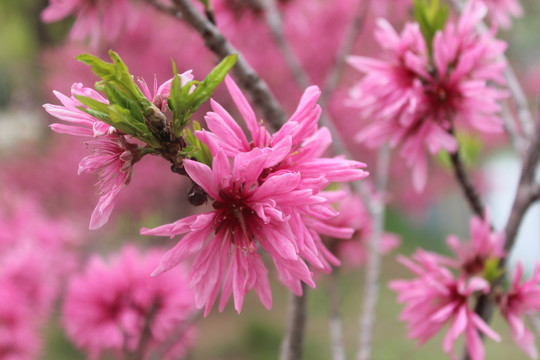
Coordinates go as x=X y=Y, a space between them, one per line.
x=416 y=101
x=435 y=298
x=522 y=298
x=484 y=244
x=248 y=212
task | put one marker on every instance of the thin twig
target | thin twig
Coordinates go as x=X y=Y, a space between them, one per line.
x=247 y=78
x=293 y=343
x=171 y=10
x=180 y=331
x=473 y=199
x=275 y=24
x=336 y=327
x=373 y=272
x=356 y=26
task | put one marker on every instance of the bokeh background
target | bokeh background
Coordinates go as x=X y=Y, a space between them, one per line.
x=39 y=182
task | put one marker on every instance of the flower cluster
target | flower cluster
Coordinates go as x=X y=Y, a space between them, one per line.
x=266 y=193
x=436 y=296
x=423 y=92
x=113 y=152
x=117 y=307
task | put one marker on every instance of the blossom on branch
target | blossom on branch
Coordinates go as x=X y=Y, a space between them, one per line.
x=484 y=245
x=423 y=92
x=247 y=214
x=502 y=11
x=521 y=299
x=436 y=298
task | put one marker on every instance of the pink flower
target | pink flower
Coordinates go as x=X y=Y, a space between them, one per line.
x=521 y=299
x=416 y=102
x=483 y=245
x=113 y=155
x=436 y=298
x=248 y=212
x=94 y=18
x=80 y=123
x=308 y=142
x=112 y=160
x=502 y=11
x=304 y=156
x=109 y=305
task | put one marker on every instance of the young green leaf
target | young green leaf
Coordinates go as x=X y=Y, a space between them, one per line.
x=196 y=149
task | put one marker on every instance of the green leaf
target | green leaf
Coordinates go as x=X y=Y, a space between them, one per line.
x=492 y=271
x=196 y=148
x=116 y=74
x=431 y=17
x=470 y=148
x=184 y=103
x=204 y=90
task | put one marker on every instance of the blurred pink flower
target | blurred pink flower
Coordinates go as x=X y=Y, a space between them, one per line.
x=353 y=213
x=502 y=11
x=19 y=339
x=93 y=18
x=434 y=298
x=109 y=306
x=521 y=299
x=416 y=102
x=248 y=212
x=484 y=244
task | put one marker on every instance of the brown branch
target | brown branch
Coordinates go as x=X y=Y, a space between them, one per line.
x=293 y=343
x=246 y=76
x=473 y=199
x=170 y=10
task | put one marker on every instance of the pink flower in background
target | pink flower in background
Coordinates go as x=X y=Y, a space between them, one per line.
x=19 y=338
x=484 y=244
x=93 y=18
x=521 y=299
x=417 y=103
x=248 y=213
x=502 y=11
x=353 y=213
x=109 y=305
x=436 y=298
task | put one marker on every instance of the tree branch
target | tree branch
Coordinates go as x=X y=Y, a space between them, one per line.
x=293 y=343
